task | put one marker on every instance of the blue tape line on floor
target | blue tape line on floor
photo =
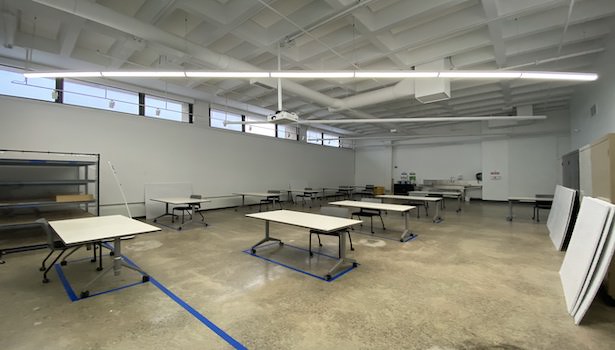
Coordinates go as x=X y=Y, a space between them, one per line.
x=333 y=278
x=116 y=289
x=295 y=247
x=69 y=290
x=222 y=334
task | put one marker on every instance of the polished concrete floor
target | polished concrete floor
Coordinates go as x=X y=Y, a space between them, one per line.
x=474 y=281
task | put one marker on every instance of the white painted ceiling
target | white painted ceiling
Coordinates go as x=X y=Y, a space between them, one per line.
x=323 y=35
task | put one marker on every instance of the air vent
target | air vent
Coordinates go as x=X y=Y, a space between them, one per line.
x=259 y=84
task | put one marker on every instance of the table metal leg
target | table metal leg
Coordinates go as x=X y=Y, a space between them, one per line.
x=459 y=203
x=166 y=212
x=342 y=259
x=407 y=232
x=118 y=263
x=437 y=218
x=266 y=239
x=510 y=211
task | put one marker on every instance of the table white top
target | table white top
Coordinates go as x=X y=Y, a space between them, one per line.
x=98 y=228
x=441 y=193
x=371 y=205
x=530 y=199
x=257 y=194
x=318 y=222
x=410 y=198
x=180 y=200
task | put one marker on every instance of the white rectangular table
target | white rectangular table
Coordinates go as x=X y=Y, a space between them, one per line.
x=274 y=197
x=443 y=194
x=383 y=206
x=100 y=228
x=322 y=223
x=191 y=202
x=436 y=218
x=531 y=200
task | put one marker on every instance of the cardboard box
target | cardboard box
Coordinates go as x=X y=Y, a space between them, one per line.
x=74 y=197
x=378 y=190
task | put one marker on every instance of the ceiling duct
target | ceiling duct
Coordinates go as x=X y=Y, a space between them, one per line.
x=9 y=27
x=433 y=90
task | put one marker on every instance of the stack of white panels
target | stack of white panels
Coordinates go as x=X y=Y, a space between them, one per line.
x=561 y=215
x=588 y=256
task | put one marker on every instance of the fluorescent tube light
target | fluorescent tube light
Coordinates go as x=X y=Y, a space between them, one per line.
x=480 y=75
x=198 y=74
x=559 y=76
x=308 y=74
x=422 y=120
x=145 y=74
x=395 y=74
x=403 y=120
x=62 y=75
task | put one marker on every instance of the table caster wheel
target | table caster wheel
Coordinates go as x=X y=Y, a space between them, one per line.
x=384 y=229
x=352 y=249
x=311 y=254
x=179 y=229
x=45 y=280
x=281 y=243
x=111 y=253
x=354 y=264
x=328 y=277
x=155 y=220
x=145 y=278
x=99 y=268
x=42 y=268
x=253 y=251
x=91 y=260
x=85 y=294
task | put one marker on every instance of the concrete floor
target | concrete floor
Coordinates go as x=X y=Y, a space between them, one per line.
x=474 y=281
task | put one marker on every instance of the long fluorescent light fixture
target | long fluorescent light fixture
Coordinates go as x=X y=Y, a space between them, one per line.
x=65 y=74
x=402 y=74
x=312 y=75
x=144 y=74
x=200 y=74
x=401 y=120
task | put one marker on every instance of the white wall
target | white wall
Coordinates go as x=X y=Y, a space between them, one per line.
x=373 y=166
x=495 y=160
x=534 y=164
x=585 y=129
x=527 y=155
x=145 y=150
x=438 y=162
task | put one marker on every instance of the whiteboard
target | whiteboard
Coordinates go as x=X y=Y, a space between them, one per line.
x=159 y=190
x=560 y=215
x=584 y=242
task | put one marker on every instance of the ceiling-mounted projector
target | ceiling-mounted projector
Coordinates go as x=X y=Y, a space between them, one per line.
x=283 y=117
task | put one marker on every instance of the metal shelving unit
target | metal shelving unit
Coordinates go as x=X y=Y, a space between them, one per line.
x=28 y=180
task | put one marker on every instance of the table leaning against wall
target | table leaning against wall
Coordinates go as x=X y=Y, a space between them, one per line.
x=317 y=222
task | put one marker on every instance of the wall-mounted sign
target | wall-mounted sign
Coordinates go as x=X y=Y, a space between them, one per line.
x=495 y=175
